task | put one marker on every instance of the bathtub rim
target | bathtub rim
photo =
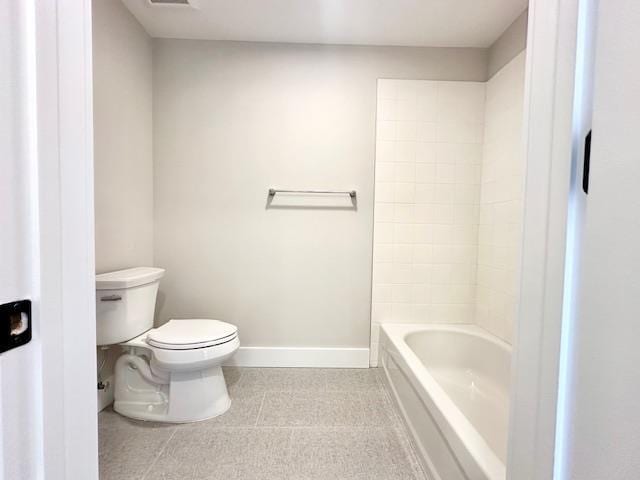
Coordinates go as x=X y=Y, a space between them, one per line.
x=462 y=437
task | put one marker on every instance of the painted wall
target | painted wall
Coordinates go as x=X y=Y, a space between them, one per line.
x=122 y=92
x=508 y=45
x=501 y=201
x=428 y=166
x=234 y=119
x=123 y=150
x=601 y=435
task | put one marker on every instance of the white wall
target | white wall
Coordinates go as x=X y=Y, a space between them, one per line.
x=601 y=437
x=122 y=56
x=123 y=159
x=428 y=161
x=232 y=120
x=501 y=201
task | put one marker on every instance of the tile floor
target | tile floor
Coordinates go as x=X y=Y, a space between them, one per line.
x=294 y=424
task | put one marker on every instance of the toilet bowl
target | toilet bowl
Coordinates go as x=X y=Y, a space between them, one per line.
x=173 y=373
x=167 y=374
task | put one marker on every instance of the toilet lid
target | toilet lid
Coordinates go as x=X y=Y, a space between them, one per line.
x=193 y=333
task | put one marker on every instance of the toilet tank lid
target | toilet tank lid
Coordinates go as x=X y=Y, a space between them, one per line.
x=131 y=277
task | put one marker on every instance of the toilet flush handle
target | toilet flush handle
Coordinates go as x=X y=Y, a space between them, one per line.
x=111 y=298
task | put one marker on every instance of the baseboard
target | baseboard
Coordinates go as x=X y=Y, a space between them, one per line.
x=300 y=357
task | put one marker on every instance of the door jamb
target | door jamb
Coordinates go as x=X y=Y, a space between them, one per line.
x=551 y=64
x=65 y=144
x=63 y=53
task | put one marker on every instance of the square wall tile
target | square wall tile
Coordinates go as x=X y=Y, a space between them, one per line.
x=448 y=201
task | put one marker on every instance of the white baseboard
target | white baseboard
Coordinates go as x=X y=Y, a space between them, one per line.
x=300 y=357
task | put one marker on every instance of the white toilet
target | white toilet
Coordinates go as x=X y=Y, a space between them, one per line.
x=168 y=374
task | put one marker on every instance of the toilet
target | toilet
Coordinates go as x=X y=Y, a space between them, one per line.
x=167 y=374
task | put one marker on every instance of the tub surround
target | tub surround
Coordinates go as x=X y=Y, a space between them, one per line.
x=428 y=160
x=501 y=202
x=448 y=202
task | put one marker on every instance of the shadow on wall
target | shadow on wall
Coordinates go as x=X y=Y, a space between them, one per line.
x=307 y=200
x=161 y=299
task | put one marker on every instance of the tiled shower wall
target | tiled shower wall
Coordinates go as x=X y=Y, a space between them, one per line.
x=448 y=208
x=500 y=233
x=428 y=170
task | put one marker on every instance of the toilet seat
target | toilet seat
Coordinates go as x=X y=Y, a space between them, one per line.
x=190 y=334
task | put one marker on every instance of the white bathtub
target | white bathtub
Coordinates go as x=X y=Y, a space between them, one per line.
x=452 y=386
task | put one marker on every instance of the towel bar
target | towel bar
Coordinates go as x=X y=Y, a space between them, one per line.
x=351 y=193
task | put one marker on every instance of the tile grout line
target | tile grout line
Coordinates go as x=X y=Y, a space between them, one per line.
x=264 y=395
x=164 y=447
x=290 y=449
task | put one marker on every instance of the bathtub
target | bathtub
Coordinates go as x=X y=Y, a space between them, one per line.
x=452 y=386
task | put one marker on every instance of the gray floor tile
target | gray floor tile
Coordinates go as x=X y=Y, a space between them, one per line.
x=349 y=453
x=108 y=419
x=309 y=409
x=127 y=448
x=232 y=376
x=283 y=379
x=352 y=379
x=289 y=424
x=391 y=473
x=244 y=410
x=229 y=453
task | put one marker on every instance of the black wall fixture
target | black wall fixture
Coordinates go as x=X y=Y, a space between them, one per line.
x=15 y=324
x=587 y=162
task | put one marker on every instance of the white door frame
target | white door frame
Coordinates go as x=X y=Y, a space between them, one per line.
x=67 y=304
x=551 y=66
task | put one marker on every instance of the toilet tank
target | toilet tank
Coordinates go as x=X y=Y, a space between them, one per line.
x=125 y=303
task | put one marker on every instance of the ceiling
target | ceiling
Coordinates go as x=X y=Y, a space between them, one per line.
x=438 y=23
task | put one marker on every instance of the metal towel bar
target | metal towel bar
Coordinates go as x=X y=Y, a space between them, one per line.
x=351 y=193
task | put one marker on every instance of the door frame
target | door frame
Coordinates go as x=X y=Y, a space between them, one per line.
x=548 y=139
x=62 y=51
x=66 y=236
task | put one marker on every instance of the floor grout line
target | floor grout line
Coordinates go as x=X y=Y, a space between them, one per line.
x=264 y=396
x=164 y=447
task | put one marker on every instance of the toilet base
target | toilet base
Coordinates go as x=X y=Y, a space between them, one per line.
x=176 y=397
